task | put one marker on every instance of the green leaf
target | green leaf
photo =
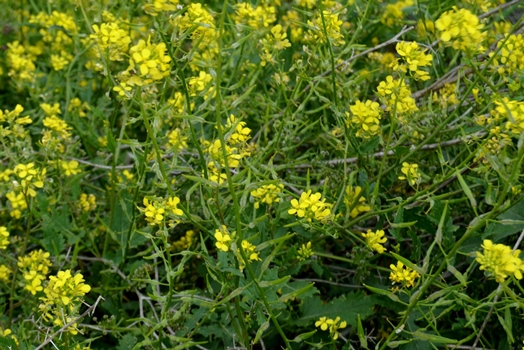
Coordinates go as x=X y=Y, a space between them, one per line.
x=506 y=323
x=466 y=189
x=361 y=334
x=127 y=342
x=458 y=275
x=347 y=307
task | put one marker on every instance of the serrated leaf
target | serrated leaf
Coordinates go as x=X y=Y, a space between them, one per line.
x=347 y=307
x=127 y=342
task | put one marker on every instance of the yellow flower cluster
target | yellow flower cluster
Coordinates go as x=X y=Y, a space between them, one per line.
x=5 y=273
x=156 y=210
x=414 y=58
x=238 y=133
x=57 y=129
x=8 y=333
x=512 y=112
x=311 y=207
x=60 y=41
x=31 y=177
x=176 y=140
x=18 y=203
x=397 y=97
x=411 y=173
x=34 y=268
x=214 y=174
x=393 y=12
x=403 y=274
x=497 y=140
x=179 y=104
x=356 y=206
x=330 y=33
x=77 y=106
x=305 y=251
x=201 y=83
x=87 y=202
x=111 y=40
x=4 y=237
x=155 y=7
x=510 y=59
x=485 y=5
x=447 y=96
x=233 y=154
x=199 y=21
x=249 y=249
x=255 y=17
x=198 y=24
x=267 y=194
x=332 y=324
x=366 y=117
x=500 y=261
x=21 y=60
x=15 y=122
x=150 y=62
x=185 y=241
x=223 y=238
x=374 y=240
x=63 y=296
x=291 y=20
x=275 y=42
x=236 y=148
x=461 y=29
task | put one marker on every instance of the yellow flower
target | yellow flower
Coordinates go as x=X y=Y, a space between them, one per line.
x=4 y=237
x=374 y=240
x=267 y=194
x=411 y=173
x=323 y=323
x=154 y=214
x=70 y=168
x=177 y=140
x=201 y=83
x=172 y=203
x=223 y=239
x=111 y=39
x=461 y=29
x=311 y=207
x=5 y=273
x=414 y=57
x=366 y=117
x=325 y=27
x=500 y=261
x=403 y=274
x=150 y=60
x=87 y=202
x=397 y=97
x=359 y=206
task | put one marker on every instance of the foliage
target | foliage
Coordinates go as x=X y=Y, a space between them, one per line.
x=261 y=174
